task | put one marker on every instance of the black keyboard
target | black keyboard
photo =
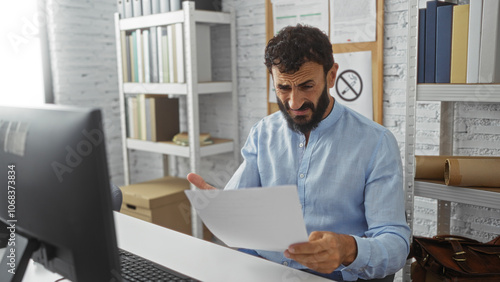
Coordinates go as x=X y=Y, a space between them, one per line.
x=136 y=268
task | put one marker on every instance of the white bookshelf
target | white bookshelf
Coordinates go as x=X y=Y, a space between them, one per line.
x=191 y=89
x=447 y=94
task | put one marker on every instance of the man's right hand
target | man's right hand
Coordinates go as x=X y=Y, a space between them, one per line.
x=199 y=182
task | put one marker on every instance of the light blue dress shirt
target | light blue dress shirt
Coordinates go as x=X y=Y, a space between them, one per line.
x=349 y=181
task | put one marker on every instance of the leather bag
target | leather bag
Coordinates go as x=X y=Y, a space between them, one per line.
x=454 y=258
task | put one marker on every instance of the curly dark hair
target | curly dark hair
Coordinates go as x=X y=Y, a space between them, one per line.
x=295 y=45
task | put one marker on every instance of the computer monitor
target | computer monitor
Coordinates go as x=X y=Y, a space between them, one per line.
x=55 y=193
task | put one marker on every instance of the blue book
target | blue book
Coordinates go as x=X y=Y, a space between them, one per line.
x=430 y=40
x=421 y=46
x=444 y=22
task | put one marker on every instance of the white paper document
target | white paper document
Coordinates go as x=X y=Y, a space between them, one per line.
x=255 y=218
x=292 y=12
x=353 y=21
x=353 y=87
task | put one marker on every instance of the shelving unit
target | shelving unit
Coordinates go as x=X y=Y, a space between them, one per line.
x=189 y=17
x=447 y=94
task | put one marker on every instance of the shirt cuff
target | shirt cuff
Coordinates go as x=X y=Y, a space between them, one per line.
x=350 y=272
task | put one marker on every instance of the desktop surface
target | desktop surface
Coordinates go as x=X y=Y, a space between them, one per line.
x=199 y=259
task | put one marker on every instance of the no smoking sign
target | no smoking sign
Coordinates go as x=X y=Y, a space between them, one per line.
x=349 y=85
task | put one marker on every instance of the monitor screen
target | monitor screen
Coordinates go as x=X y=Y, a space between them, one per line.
x=57 y=197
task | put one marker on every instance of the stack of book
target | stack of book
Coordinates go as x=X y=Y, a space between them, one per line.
x=156 y=54
x=459 y=43
x=183 y=139
x=152 y=117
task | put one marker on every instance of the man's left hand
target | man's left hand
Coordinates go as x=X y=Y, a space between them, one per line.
x=324 y=252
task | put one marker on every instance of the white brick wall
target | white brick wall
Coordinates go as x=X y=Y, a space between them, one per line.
x=84 y=65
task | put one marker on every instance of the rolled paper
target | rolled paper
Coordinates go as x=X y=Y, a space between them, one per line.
x=432 y=167
x=472 y=172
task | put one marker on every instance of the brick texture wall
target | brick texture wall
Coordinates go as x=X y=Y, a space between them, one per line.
x=82 y=43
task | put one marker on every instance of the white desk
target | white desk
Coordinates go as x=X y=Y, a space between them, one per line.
x=199 y=259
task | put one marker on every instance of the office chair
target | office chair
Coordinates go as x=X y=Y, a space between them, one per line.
x=116 y=197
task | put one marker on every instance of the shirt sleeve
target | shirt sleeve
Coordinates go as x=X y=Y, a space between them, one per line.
x=247 y=175
x=385 y=246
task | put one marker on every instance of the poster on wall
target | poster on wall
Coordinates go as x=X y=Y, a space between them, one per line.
x=353 y=21
x=353 y=85
x=292 y=12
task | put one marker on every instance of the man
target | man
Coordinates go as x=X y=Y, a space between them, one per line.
x=347 y=168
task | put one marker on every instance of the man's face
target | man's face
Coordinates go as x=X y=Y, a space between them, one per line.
x=303 y=96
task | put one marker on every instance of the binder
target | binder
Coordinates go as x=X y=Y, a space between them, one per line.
x=121 y=8
x=128 y=13
x=474 y=40
x=164 y=6
x=137 y=8
x=175 y=5
x=444 y=21
x=421 y=46
x=460 y=36
x=489 y=57
x=178 y=37
x=430 y=40
x=146 y=7
x=155 y=6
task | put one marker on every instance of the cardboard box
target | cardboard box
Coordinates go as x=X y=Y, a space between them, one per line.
x=161 y=201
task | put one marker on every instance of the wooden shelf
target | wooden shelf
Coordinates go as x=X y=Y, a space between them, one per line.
x=458 y=92
x=170 y=148
x=479 y=196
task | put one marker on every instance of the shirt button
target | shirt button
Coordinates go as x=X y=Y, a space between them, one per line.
x=301 y=175
x=285 y=263
x=301 y=145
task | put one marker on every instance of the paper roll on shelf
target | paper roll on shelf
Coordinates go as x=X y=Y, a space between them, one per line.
x=432 y=167
x=472 y=172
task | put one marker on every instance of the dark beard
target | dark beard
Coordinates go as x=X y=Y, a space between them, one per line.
x=299 y=124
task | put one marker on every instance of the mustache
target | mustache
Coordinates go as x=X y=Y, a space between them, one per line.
x=306 y=105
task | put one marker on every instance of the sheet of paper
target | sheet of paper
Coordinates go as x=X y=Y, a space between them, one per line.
x=353 y=87
x=292 y=12
x=255 y=218
x=353 y=21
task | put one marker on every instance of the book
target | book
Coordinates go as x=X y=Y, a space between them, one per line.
x=179 y=53
x=430 y=40
x=131 y=117
x=165 y=56
x=489 y=56
x=444 y=21
x=139 y=56
x=203 y=53
x=474 y=40
x=141 y=114
x=171 y=49
x=153 y=54
x=146 y=56
x=459 y=38
x=421 y=46
x=125 y=55
x=178 y=38
x=133 y=56
x=183 y=139
x=147 y=122
x=164 y=117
